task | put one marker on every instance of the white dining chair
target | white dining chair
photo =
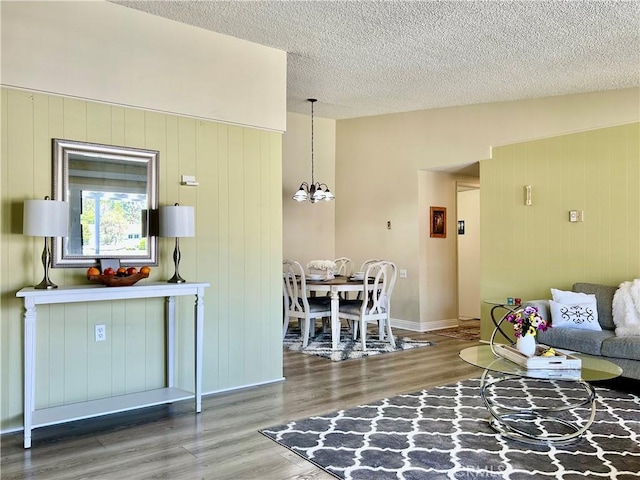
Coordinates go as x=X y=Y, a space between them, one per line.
x=296 y=303
x=366 y=263
x=379 y=280
x=363 y=268
x=344 y=266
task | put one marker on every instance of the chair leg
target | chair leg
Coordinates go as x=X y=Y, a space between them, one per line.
x=354 y=329
x=392 y=339
x=305 y=331
x=326 y=325
x=285 y=326
x=363 y=334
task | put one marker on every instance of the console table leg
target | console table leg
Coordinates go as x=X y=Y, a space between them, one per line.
x=171 y=340
x=30 y=318
x=199 y=322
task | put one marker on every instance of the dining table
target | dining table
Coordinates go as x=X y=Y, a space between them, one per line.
x=335 y=286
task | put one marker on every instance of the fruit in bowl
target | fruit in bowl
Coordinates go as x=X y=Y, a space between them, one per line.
x=123 y=277
x=92 y=272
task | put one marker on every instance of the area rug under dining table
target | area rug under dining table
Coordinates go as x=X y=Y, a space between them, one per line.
x=443 y=433
x=320 y=345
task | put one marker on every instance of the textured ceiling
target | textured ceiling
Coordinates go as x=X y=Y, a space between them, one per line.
x=375 y=57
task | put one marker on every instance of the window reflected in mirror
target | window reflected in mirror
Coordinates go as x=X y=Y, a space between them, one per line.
x=110 y=191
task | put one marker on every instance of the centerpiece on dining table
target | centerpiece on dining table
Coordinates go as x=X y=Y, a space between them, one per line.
x=321 y=269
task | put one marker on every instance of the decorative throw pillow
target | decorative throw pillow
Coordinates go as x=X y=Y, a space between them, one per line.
x=564 y=296
x=583 y=316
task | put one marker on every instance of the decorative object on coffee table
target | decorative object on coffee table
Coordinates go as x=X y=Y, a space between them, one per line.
x=545 y=358
x=526 y=323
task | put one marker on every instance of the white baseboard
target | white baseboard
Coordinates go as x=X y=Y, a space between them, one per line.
x=423 y=326
x=243 y=387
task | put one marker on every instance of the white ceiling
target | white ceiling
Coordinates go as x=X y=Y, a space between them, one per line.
x=361 y=58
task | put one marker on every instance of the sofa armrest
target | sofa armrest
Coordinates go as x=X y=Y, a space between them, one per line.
x=543 y=308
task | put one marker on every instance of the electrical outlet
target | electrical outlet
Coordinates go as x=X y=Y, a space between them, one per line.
x=403 y=274
x=576 y=215
x=101 y=333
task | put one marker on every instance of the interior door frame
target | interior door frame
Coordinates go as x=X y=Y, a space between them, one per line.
x=462 y=186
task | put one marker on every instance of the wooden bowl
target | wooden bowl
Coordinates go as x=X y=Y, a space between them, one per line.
x=114 y=281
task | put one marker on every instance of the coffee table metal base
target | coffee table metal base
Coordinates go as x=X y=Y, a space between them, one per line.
x=505 y=419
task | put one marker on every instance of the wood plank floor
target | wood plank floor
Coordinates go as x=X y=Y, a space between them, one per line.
x=223 y=442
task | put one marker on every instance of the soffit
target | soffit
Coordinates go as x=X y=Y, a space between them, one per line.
x=379 y=57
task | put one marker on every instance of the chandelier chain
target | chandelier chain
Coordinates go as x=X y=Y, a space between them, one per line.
x=313 y=180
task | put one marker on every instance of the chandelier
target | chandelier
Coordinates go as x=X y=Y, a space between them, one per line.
x=314 y=191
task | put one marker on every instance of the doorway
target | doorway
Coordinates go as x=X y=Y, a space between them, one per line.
x=468 y=247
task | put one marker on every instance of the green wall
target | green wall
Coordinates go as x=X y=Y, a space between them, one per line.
x=526 y=250
x=237 y=249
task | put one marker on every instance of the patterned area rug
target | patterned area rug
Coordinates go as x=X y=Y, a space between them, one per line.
x=348 y=349
x=469 y=330
x=443 y=433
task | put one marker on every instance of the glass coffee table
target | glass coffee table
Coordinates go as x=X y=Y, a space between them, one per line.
x=518 y=418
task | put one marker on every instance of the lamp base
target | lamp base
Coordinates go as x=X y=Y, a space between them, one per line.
x=176 y=279
x=46 y=284
x=176 y=263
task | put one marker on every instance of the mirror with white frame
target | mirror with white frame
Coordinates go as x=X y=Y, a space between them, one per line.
x=113 y=199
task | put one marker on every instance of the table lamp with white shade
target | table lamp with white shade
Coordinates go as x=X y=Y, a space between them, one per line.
x=177 y=221
x=46 y=218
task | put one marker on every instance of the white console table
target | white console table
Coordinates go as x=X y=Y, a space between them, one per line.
x=95 y=293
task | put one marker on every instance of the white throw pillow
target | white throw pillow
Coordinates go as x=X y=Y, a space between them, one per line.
x=563 y=296
x=583 y=316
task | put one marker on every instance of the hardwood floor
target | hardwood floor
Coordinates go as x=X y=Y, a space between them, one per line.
x=223 y=442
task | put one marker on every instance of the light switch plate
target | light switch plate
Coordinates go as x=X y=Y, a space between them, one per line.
x=189 y=180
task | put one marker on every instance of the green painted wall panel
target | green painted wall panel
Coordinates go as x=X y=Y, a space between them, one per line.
x=237 y=249
x=526 y=250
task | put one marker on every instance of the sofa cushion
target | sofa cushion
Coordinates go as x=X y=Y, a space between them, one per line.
x=622 y=347
x=604 y=298
x=585 y=341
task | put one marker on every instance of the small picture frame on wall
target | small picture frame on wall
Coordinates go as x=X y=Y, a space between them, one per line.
x=438 y=222
x=460 y=227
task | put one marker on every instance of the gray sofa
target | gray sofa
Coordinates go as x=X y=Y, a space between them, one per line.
x=623 y=351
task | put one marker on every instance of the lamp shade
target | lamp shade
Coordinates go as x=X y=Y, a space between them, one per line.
x=46 y=218
x=177 y=221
